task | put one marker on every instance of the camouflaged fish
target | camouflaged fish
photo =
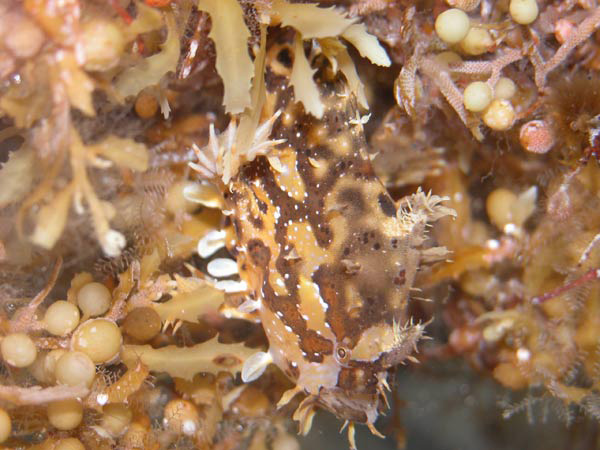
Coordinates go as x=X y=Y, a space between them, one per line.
x=328 y=256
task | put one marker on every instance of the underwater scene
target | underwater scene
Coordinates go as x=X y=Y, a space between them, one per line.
x=286 y=225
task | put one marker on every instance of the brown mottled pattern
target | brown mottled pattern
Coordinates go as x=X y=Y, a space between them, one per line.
x=348 y=175
x=326 y=223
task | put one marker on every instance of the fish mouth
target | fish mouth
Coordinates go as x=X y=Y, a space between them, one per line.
x=351 y=406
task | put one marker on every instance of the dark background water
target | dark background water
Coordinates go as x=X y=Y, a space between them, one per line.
x=447 y=406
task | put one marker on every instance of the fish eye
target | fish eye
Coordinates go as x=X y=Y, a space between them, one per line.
x=343 y=354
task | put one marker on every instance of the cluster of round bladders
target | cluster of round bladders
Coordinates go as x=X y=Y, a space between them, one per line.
x=100 y=339
x=477 y=96
x=453 y=26
x=497 y=111
x=505 y=89
x=477 y=41
x=18 y=350
x=94 y=299
x=61 y=318
x=523 y=12
x=92 y=341
x=500 y=115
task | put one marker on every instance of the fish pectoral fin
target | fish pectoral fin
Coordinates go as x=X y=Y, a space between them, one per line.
x=304 y=415
x=288 y=396
x=255 y=366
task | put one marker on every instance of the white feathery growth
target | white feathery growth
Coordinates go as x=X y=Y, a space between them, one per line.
x=224 y=155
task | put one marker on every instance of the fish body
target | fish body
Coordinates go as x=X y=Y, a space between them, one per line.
x=330 y=263
x=328 y=256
